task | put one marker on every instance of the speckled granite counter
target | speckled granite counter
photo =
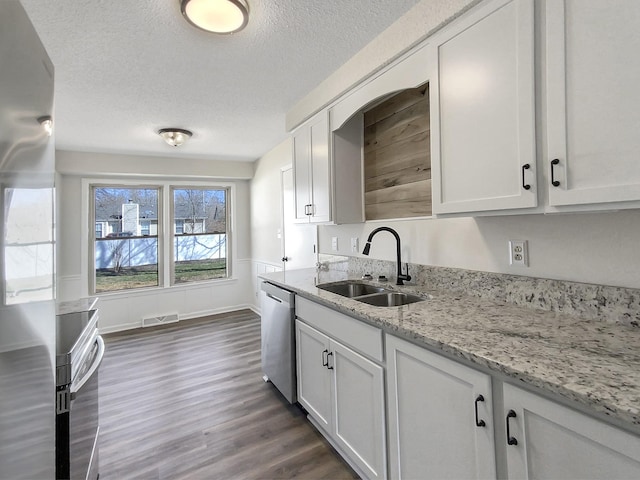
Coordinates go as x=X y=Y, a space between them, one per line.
x=80 y=305
x=594 y=363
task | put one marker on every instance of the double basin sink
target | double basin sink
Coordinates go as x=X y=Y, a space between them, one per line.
x=370 y=294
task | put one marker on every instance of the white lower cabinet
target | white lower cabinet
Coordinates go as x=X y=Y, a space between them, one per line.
x=344 y=395
x=549 y=440
x=443 y=419
x=440 y=416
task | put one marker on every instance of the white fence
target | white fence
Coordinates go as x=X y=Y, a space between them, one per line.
x=138 y=251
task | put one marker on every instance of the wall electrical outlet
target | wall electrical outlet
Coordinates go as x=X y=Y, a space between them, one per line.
x=334 y=244
x=354 y=244
x=518 y=254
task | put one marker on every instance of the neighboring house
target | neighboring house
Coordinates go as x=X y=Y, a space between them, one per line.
x=109 y=220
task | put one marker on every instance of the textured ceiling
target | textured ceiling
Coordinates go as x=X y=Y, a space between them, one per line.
x=124 y=69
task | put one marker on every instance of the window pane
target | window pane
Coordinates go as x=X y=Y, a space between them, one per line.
x=126 y=253
x=200 y=239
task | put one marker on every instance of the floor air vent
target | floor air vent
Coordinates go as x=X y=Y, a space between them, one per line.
x=160 y=320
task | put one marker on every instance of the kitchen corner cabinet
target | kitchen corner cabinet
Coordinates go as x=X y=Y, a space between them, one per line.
x=549 y=440
x=311 y=170
x=483 y=110
x=592 y=115
x=343 y=392
x=440 y=416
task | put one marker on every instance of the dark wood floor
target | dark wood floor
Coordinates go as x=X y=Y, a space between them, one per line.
x=187 y=401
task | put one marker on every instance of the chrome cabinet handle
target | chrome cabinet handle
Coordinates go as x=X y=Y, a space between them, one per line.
x=526 y=186
x=511 y=440
x=554 y=182
x=479 y=423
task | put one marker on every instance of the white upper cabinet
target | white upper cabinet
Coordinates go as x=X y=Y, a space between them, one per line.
x=593 y=114
x=327 y=169
x=311 y=170
x=483 y=110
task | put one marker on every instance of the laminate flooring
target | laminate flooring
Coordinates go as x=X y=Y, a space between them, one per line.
x=187 y=401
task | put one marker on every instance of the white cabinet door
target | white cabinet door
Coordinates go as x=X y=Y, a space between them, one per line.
x=302 y=174
x=554 y=441
x=593 y=119
x=314 y=378
x=358 y=410
x=482 y=110
x=311 y=170
x=320 y=170
x=434 y=430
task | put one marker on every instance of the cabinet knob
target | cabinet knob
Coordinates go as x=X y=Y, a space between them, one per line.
x=479 y=423
x=554 y=182
x=511 y=440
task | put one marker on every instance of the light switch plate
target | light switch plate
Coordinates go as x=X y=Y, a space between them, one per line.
x=334 y=244
x=354 y=244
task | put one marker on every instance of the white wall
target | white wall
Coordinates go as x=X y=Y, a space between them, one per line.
x=598 y=248
x=266 y=218
x=126 y=309
x=417 y=24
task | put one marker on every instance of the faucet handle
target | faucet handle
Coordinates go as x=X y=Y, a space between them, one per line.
x=405 y=276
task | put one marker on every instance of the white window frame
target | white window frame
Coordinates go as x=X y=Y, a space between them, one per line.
x=164 y=225
x=172 y=220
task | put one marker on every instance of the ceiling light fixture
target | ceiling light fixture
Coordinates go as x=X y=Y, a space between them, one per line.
x=217 y=16
x=175 y=136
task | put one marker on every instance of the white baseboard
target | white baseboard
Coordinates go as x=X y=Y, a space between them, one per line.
x=187 y=316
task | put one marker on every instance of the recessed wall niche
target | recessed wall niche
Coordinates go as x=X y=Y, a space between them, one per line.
x=397 y=158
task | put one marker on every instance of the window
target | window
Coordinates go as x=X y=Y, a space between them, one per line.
x=123 y=258
x=200 y=239
x=137 y=243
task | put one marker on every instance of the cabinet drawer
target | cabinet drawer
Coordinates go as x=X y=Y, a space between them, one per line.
x=358 y=335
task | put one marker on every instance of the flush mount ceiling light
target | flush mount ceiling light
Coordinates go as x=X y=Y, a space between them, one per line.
x=174 y=136
x=217 y=16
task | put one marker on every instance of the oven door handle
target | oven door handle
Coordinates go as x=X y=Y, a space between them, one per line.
x=75 y=388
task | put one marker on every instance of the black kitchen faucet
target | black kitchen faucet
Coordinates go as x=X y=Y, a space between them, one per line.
x=400 y=276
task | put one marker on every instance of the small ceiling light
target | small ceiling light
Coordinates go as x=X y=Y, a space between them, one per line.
x=217 y=16
x=47 y=124
x=174 y=136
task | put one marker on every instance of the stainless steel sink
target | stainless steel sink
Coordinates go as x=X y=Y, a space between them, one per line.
x=371 y=294
x=390 y=299
x=350 y=289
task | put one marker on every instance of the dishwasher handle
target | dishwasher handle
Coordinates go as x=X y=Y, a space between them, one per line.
x=274 y=298
x=279 y=294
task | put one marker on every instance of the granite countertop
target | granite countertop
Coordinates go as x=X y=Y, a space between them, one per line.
x=73 y=306
x=592 y=362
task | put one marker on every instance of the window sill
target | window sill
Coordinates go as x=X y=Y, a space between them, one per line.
x=138 y=292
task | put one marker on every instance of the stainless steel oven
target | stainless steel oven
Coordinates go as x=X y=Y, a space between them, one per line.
x=80 y=352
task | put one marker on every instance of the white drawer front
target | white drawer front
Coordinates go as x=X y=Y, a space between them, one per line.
x=354 y=333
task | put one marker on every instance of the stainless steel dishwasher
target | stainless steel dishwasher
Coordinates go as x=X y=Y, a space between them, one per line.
x=278 y=339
